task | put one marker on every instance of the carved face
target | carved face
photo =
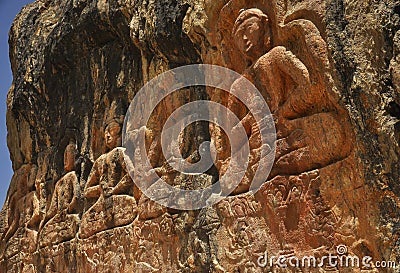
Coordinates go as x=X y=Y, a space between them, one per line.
x=112 y=135
x=250 y=37
x=69 y=157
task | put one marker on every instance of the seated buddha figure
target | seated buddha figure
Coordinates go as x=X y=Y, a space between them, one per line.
x=108 y=193
x=62 y=217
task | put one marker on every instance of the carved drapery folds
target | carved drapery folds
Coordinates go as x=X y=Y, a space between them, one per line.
x=109 y=189
x=23 y=215
x=79 y=64
x=307 y=118
x=62 y=217
x=283 y=52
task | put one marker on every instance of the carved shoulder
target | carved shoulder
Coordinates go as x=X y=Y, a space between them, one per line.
x=94 y=176
x=271 y=55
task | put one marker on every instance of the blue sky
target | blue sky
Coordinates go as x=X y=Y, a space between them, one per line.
x=8 y=10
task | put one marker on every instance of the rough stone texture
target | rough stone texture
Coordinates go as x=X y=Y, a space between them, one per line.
x=329 y=70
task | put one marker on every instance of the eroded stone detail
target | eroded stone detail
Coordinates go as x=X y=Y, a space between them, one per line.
x=62 y=218
x=243 y=235
x=109 y=189
x=321 y=67
x=311 y=133
x=287 y=60
x=23 y=211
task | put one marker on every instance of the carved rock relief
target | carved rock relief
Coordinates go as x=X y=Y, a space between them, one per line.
x=285 y=56
x=297 y=211
x=61 y=221
x=109 y=191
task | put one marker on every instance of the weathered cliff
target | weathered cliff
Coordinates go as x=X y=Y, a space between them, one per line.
x=329 y=71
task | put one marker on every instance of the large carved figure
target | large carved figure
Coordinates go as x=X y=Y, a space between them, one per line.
x=109 y=189
x=287 y=61
x=310 y=132
x=62 y=218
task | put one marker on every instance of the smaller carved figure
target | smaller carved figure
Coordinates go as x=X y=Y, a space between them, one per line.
x=61 y=220
x=156 y=242
x=23 y=203
x=109 y=190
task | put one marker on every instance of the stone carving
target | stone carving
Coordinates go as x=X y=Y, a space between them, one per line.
x=112 y=261
x=241 y=244
x=156 y=242
x=69 y=66
x=296 y=209
x=23 y=205
x=62 y=218
x=313 y=134
x=109 y=189
x=244 y=233
x=310 y=132
x=241 y=206
x=112 y=133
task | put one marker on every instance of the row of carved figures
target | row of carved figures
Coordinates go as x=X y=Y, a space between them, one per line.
x=310 y=129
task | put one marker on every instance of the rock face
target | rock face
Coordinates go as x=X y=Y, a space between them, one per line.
x=329 y=71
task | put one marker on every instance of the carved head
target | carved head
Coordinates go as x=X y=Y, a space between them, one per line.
x=114 y=120
x=69 y=157
x=252 y=33
x=112 y=134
